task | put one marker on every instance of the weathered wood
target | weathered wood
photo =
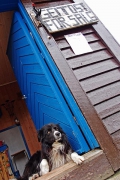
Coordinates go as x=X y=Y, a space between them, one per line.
x=102 y=60
x=104 y=93
x=108 y=39
x=108 y=107
x=84 y=31
x=79 y=61
x=116 y=138
x=83 y=102
x=101 y=80
x=95 y=167
x=43 y=4
x=95 y=69
x=27 y=126
x=112 y=123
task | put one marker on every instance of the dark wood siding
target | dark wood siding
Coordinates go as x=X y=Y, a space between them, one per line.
x=94 y=72
x=98 y=73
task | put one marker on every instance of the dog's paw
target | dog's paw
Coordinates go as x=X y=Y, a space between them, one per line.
x=34 y=176
x=76 y=158
x=44 y=167
x=30 y=178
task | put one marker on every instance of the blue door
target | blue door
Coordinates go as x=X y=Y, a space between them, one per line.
x=44 y=99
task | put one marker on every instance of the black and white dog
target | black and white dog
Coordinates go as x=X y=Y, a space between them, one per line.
x=55 y=152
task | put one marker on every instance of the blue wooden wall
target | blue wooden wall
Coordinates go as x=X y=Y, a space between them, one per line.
x=45 y=99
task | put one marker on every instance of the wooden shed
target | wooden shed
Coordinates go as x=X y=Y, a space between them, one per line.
x=81 y=92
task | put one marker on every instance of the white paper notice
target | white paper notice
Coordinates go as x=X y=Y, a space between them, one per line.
x=78 y=43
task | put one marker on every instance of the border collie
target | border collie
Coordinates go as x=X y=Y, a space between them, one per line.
x=55 y=152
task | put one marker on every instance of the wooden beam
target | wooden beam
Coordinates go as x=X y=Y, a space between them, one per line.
x=83 y=102
x=95 y=167
x=108 y=39
x=89 y=112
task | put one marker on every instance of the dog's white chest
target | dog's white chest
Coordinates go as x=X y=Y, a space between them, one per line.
x=57 y=156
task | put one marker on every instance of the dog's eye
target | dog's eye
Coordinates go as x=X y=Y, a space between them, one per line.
x=48 y=132
x=55 y=128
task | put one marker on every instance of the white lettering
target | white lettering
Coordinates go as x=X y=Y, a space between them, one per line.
x=45 y=14
x=53 y=12
x=67 y=16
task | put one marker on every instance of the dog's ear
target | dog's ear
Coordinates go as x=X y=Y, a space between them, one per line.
x=40 y=135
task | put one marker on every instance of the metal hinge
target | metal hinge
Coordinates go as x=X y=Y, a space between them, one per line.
x=24 y=97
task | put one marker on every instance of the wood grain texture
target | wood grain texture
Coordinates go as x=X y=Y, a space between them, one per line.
x=108 y=39
x=116 y=138
x=83 y=102
x=78 y=70
x=109 y=107
x=95 y=167
x=112 y=122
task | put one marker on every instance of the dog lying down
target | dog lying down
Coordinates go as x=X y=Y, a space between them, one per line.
x=55 y=152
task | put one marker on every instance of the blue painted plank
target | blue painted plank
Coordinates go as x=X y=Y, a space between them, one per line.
x=39 y=90
x=19 y=43
x=60 y=81
x=67 y=129
x=37 y=79
x=29 y=60
x=60 y=117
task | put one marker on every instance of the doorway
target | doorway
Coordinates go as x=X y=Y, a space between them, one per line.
x=17 y=148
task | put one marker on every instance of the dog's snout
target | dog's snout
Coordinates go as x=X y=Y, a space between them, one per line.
x=57 y=133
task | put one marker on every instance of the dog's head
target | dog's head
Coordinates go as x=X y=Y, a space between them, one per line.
x=50 y=133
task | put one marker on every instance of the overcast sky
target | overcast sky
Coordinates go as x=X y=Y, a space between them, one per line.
x=108 y=11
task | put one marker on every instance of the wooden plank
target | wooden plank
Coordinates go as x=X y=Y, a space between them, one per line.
x=79 y=61
x=45 y=4
x=116 y=138
x=62 y=43
x=91 y=37
x=84 y=31
x=100 y=80
x=112 y=122
x=104 y=93
x=95 y=167
x=108 y=39
x=108 y=107
x=27 y=126
x=83 y=102
x=94 y=69
x=95 y=46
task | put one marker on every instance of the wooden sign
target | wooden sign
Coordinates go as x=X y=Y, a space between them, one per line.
x=68 y=16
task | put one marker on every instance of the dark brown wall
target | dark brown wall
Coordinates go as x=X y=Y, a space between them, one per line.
x=98 y=73
x=10 y=91
x=93 y=78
